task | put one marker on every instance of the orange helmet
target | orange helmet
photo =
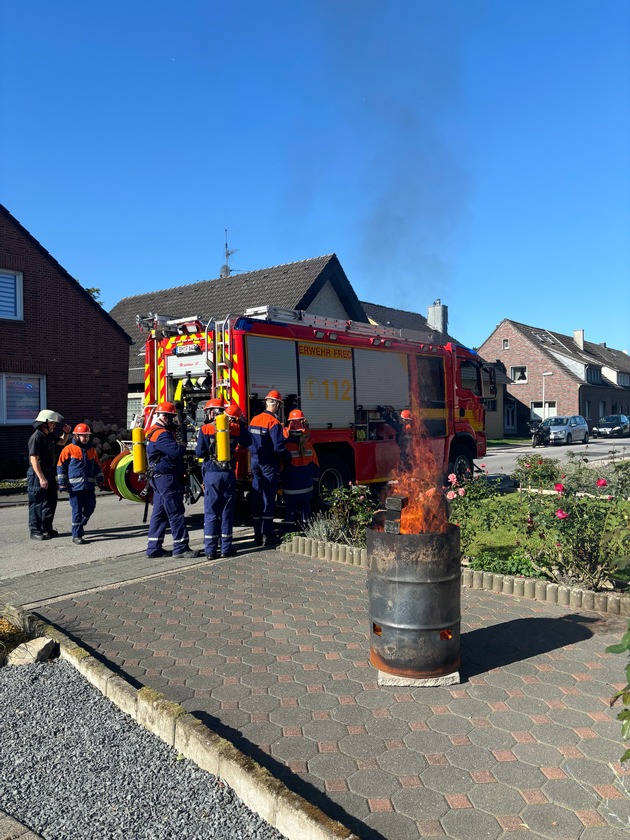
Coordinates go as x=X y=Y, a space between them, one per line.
x=166 y=408
x=274 y=395
x=234 y=412
x=215 y=402
x=81 y=429
x=297 y=421
x=406 y=414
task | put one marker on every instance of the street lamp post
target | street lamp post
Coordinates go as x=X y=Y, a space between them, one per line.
x=548 y=373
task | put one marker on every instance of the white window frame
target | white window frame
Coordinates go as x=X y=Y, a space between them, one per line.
x=516 y=381
x=506 y=343
x=19 y=297
x=4 y=421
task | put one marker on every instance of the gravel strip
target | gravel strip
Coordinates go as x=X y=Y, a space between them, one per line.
x=74 y=766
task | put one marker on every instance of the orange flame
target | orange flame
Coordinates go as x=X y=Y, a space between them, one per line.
x=418 y=477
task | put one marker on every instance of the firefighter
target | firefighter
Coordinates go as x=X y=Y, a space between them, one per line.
x=40 y=477
x=300 y=473
x=219 y=481
x=166 y=469
x=78 y=473
x=267 y=453
x=403 y=427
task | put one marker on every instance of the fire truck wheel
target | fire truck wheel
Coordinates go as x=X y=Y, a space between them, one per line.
x=461 y=463
x=334 y=473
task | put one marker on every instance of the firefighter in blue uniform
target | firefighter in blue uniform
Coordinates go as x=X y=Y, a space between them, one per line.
x=267 y=454
x=219 y=478
x=78 y=473
x=166 y=469
x=298 y=476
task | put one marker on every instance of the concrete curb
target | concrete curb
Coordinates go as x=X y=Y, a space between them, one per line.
x=611 y=603
x=292 y=815
x=322 y=550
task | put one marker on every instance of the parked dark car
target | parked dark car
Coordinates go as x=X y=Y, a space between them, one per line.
x=612 y=425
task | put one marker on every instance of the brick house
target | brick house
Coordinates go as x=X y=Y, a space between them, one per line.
x=553 y=374
x=60 y=349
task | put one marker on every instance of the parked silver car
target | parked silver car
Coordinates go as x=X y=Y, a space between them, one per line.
x=570 y=429
x=613 y=425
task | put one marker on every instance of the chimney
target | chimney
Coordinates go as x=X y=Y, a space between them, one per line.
x=437 y=317
x=578 y=337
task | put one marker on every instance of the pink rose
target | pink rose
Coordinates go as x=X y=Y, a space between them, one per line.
x=562 y=514
x=452 y=478
x=601 y=482
x=451 y=495
x=559 y=487
x=461 y=491
x=483 y=466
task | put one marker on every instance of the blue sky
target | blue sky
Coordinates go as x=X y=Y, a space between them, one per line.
x=475 y=151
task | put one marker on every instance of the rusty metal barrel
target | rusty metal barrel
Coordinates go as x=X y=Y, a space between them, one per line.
x=415 y=603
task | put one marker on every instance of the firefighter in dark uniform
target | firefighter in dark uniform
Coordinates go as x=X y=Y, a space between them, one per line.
x=403 y=427
x=299 y=475
x=267 y=453
x=219 y=478
x=40 y=477
x=165 y=457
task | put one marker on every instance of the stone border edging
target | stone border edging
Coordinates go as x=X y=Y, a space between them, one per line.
x=611 y=603
x=288 y=812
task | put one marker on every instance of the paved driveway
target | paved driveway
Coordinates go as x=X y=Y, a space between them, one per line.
x=272 y=651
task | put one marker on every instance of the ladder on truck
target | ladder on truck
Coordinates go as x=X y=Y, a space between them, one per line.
x=322 y=322
x=219 y=353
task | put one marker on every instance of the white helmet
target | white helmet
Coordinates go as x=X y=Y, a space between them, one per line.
x=46 y=416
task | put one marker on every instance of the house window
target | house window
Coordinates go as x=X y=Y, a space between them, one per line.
x=536 y=409
x=11 y=295
x=21 y=398
x=506 y=343
x=134 y=408
x=519 y=374
x=491 y=405
x=587 y=409
x=602 y=408
x=594 y=375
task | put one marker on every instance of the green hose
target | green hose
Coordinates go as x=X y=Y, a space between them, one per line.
x=120 y=478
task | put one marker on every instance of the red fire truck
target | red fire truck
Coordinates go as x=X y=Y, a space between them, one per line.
x=340 y=373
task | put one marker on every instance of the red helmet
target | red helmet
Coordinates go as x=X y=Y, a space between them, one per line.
x=274 y=395
x=406 y=414
x=234 y=412
x=81 y=429
x=296 y=414
x=215 y=402
x=166 y=408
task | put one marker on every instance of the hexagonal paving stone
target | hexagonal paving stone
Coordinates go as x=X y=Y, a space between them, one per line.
x=401 y=762
x=361 y=746
x=470 y=757
x=324 y=730
x=447 y=779
x=420 y=804
x=551 y=820
x=332 y=766
x=464 y=823
x=389 y=729
x=373 y=783
x=496 y=799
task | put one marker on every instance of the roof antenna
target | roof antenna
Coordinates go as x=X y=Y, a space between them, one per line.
x=225 y=269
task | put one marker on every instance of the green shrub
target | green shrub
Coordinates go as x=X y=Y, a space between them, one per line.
x=504 y=560
x=536 y=472
x=350 y=512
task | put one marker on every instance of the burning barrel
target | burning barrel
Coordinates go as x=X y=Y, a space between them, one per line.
x=414 y=594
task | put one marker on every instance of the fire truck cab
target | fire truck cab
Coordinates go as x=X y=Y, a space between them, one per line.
x=341 y=374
